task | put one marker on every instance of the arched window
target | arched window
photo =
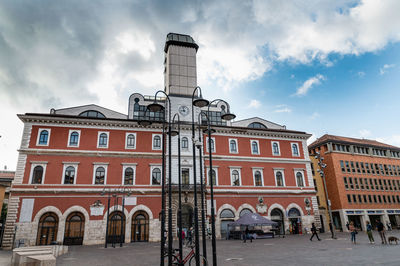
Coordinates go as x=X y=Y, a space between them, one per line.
x=140 y=227
x=157 y=142
x=73 y=139
x=37 y=175
x=156 y=176
x=279 y=179
x=244 y=211
x=100 y=175
x=254 y=147
x=275 y=148
x=92 y=113
x=128 y=176
x=227 y=214
x=48 y=227
x=295 y=150
x=69 y=175
x=257 y=178
x=257 y=125
x=185 y=143
x=103 y=138
x=212 y=175
x=130 y=141
x=235 y=178
x=299 y=178
x=44 y=137
x=293 y=213
x=212 y=145
x=232 y=146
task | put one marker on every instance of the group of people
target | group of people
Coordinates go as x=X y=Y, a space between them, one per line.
x=379 y=226
x=188 y=235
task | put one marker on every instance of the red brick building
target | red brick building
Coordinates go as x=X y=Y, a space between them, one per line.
x=363 y=180
x=69 y=156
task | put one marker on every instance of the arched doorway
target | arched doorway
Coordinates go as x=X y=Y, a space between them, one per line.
x=277 y=216
x=294 y=221
x=244 y=211
x=227 y=216
x=187 y=217
x=140 y=227
x=47 y=230
x=116 y=227
x=74 y=229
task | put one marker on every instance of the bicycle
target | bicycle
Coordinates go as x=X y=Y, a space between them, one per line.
x=189 y=257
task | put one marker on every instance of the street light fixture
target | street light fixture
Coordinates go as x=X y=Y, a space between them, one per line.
x=328 y=202
x=227 y=116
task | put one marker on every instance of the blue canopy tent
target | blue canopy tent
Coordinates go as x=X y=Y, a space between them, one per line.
x=251 y=220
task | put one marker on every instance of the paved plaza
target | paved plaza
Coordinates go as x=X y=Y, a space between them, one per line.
x=291 y=250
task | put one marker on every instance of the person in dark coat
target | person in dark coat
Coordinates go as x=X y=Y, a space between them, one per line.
x=314 y=232
x=246 y=235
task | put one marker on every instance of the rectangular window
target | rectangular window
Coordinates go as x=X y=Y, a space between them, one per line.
x=380 y=184
x=372 y=184
x=394 y=185
x=347 y=166
x=358 y=167
x=156 y=141
x=377 y=169
x=398 y=170
x=386 y=169
x=394 y=170
x=348 y=198
x=366 y=183
x=103 y=139
x=398 y=198
x=393 y=199
x=275 y=148
x=390 y=169
x=315 y=185
x=342 y=166
x=367 y=167
x=233 y=146
x=385 y=184
x=384 y=198
x=361 y=184
x=130 y=140
x=346 y=186
x=390 y=185
x=365 y=198
x=389 y=199
x=372 y=168
x=354 y=198
x=379 y=199
x=43 y=137
x=359 y=199
x=381 y=169
x=356 y=182
x=255 y=148
x=352 y=167
x=351 y=183
x=362 y=168
x=235 y=177
x=73 y=138
x=375 y=201
x=369 y=198
x=376 y=184
x=185 y=176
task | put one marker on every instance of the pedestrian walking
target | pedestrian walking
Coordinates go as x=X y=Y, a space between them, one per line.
x=331 y=228
x=314 y=232
x=183 y=236
x=353 y=232
x=369 y=233
x=381 y=231
x=244 y=236
x=189 y=237
x=348 y=225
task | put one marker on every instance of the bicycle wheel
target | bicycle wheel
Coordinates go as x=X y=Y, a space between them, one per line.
x=203 y=261
x=174 y=260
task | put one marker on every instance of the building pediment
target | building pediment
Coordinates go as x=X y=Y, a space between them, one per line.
x=90 y=110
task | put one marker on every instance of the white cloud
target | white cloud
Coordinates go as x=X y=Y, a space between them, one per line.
x=282 y=108
x=314 y=115
x=385 y=68
x=308 y=84
x=254 y=104
x=364 y=133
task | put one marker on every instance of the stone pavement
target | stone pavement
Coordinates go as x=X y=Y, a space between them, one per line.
x=291 y=250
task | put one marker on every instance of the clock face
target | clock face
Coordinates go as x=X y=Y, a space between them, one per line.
x=183 y=110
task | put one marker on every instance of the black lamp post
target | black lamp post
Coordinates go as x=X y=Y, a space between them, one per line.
x=226 y=116
x=156 y=107
x=199 y=102
x=178 y=133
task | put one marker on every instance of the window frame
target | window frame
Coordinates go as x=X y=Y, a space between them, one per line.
x=216 y=175
x=152 y=167
x=231 y=176
x=65 y=166
x=187 y=140
x=124 y=167
x=69 y=138
x=33 y=165
x=214 y=146
x=95 y=166
x=254 y=170
x=48 y=137
x=258 y=147
x=152 y=142
x=283 y=176
x=98 y=139
x=301 y=171
x=236 y=144
x=126 y=140
x=298 y=149
x=279 y=148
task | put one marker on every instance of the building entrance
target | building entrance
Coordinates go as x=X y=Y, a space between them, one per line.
x=47 y=231
x=140 y=227
x=393 y=221
x=294 y=221
x=356 y=219
x=187 y=217
x=74 y=229
x=116 y=227
x=277 y=216
x=373 y=218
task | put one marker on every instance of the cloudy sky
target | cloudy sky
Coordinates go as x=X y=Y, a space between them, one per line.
x=317 y=66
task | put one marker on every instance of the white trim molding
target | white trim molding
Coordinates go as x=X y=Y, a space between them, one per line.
x=126 y=166
x=69 y=138
x=272 y=148
x=237 y=146
x=240 y=178
x=33 y=165
x=298 y=149
x=152 y=142
x=276 y=170
x=254 y=170
x=251 y=147
x=38 y=136
x=95 y=166
x=126 y=140
x=98 y=139
x=67 y=164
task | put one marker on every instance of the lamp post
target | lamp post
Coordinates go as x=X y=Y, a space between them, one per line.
x=322 y=166
x=156 y=107
x=226 y=116
x=174 y=133
x=203 y=221
x=199 y=102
